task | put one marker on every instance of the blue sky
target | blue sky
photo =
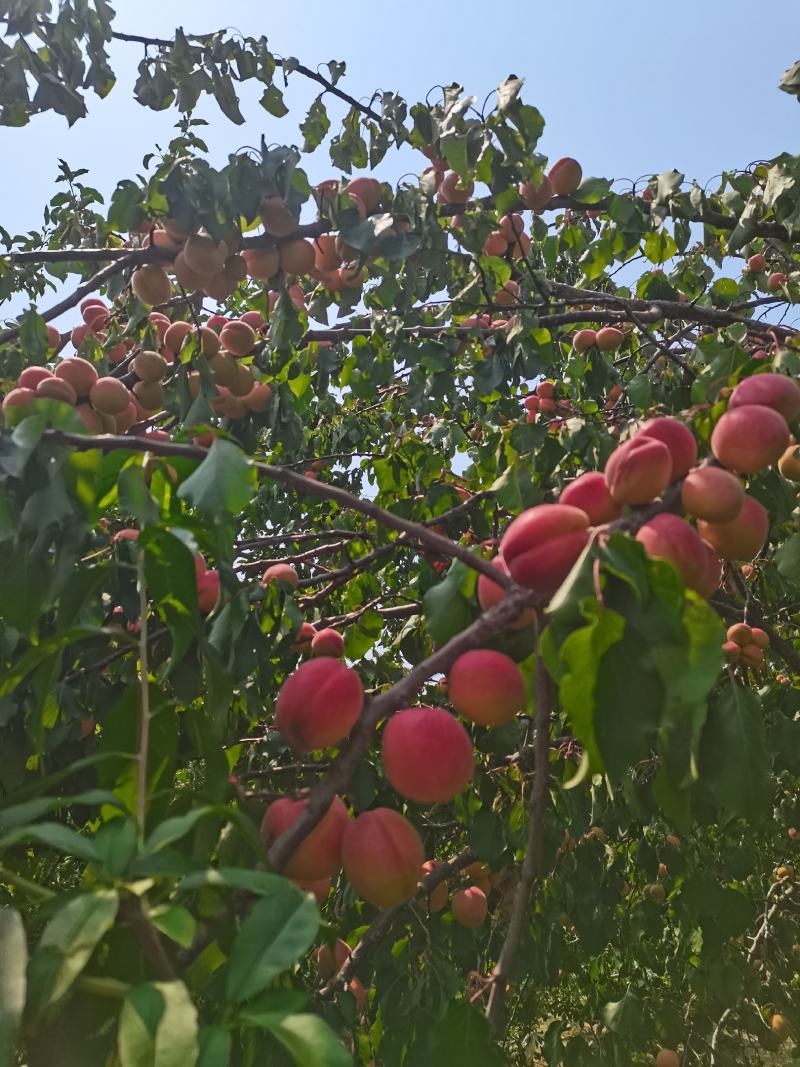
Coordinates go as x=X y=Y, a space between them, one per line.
x=627 y=87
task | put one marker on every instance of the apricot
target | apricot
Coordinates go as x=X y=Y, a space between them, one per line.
x=589 y=492
x=732 y=651
x=490 y=593
x=91 y=419
x=757 y=263
x=297 y=257
x=437 y=898
x=741 y=633
x=259 y=398
x=583 y=340
x=453 y=191
x=261 y=263
x=665 y=1057
x=427 y=755
x=224 y=369
x=319 y=854
x=124 y=420
x=56 y=389
x=668 y=537
x=151 y=285
x=241 y=385
x=382 y=856
x=96 y=315
x=254 y=319
x=780 y=1026
x=326 y=258
x=609 y=339
x=542 y=544
x=150 y=395
x=536 y=197
x=788 y=464
x=327 y=642
x=742 y=537
x=31 y=376
x=318 y=705
x=78 y=372
x=486 y=687
x=237 y=338
x=207 y=592
x=320 y=887
x=16 y=403
x=775 y=282
x=149 y=366
x=770 y=390
x=511 y=226
x=752 y=656
x=495 y=244
x=639 y=470
x=678 y=438
x=368 y=190
x=749 y=438
x=479 y=874
x=469 y=907
x=175 y=335
x=712 y=493
x=546 y=390
x=565 y=176
x=278 y=220
x=330 y=959
x=760 y=638
x=219 y=286
x=187 y=278
x=281 y=572
x=208 y=340
x=303 y=637
x=520 y=247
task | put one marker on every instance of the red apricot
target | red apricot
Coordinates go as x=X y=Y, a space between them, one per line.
x=327 y=642
x=639 y=470
x=486 y=687
x=495 y=244
x=757 y=263
x=760 y=638
x=583 y=340
x=565 y=176
x=368 y=190
x=453 y=191
x=536 y=197
x=749 y=438
x=31 y=376
x=259 y=397
x=469 y=907
x=490 y=593
x=319 y=854
x=16 y=402
x=609 y=339
x=731 y=651
x=741 y=633
x=589 y=492
x=281 y=572
x=775 y=282
x=542 y=544
x=207 y=591
x=712 y=493
x=770 y=390
x=382 y=855
x=678 y=438
x=318 y=705
x=237 y=338
x=320 y=887
x=303 y=637
x=742 y=537
x=427 y=755
x=326 y=258
x=667 y=536
x=187 y=278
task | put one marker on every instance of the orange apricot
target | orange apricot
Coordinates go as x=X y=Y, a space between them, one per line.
x=740 y=538
x=486 y=687
x=297 y=257
x=151 y=285
x=237 y=338
x=427 y=755
x=639 y=470
x=536 y=197
x=589 y=492
x=712 y=493
x=281 y=572
x=776 y=391
x=749 y=438
x=437 y=898
x=667 y=536
x=327 y=642
x=583 y=340
x=469 y=907
x=261 y=263
x=678 y=438
x=109 y=396
x=609 y=339
x=565 y=176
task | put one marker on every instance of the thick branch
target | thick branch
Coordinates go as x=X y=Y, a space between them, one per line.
x=532 y=863
x=382 y=924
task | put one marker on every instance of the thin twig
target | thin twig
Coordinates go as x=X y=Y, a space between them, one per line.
x=144 y=698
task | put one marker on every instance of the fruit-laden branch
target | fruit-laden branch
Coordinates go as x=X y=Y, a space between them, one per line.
x=398 y=696
x=292 y=480
x=384 y=921
x=307 y=72
x=532 y=863
x=777 y=644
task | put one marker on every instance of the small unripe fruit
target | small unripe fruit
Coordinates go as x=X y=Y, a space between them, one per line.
x=151 y=285
x=319 y=855
x=486 y=687
x=565 y=176
x=609 y=339
x=281 y=572
x=749 y=438
x=638 y=471
x=770 y=390
x=382 y=855
x=542 y=544
x=678 y=438
x=742 y=537
x=713 y=494
x=427 y=755
x=469 y=907
x=583 y=340
x=589 y=492
x=318 y=705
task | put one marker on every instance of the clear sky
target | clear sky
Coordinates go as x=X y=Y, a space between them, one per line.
x=627 y=86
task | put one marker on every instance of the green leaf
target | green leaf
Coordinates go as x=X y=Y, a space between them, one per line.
x=464 y=1037
x=13 y=964
x=277 y=932
x=224 y=481
x=311 y=1042
x=135 y=497
x=158 y=1027
x=787 y=559
x=177 y=923
x=447 y=611
x=626 y=1017
x=67 y=943
x=214 y=1043
x=734 y=765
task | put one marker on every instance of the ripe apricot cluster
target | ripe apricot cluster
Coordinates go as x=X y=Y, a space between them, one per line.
x=745 y=645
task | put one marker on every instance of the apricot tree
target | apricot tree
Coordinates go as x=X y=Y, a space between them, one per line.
x=398 y=588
